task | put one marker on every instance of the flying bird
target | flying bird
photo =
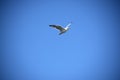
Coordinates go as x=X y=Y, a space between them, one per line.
x=60 y=28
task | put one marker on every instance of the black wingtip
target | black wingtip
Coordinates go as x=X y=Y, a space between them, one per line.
x=50 y=25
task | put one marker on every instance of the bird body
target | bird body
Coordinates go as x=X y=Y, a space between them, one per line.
x=60 y=28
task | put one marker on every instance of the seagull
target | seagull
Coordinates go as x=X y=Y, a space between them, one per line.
x=60 y=28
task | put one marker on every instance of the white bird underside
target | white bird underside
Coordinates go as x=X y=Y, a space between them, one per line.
x=61 y=29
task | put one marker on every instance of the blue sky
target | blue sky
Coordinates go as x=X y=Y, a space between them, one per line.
x=34 y=51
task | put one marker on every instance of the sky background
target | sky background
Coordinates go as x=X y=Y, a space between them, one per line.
x=31 y=50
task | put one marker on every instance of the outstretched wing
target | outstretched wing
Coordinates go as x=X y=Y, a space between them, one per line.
x=57 y=27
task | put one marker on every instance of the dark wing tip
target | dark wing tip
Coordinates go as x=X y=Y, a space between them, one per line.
x=51 y=25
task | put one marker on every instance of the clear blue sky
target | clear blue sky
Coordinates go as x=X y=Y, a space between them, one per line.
x=34 y=51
